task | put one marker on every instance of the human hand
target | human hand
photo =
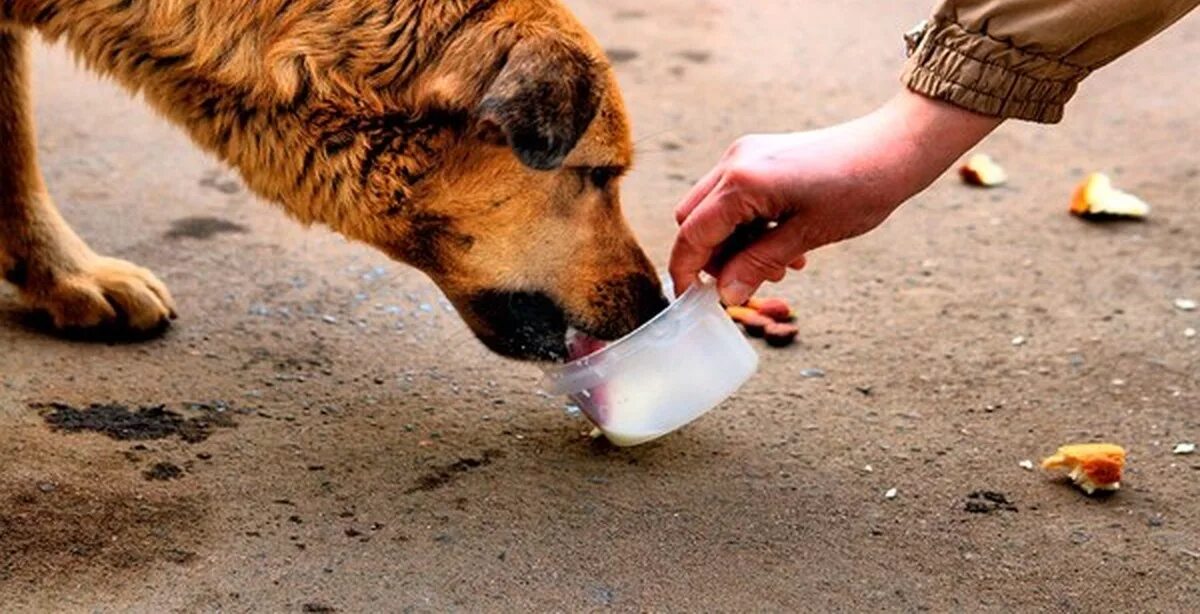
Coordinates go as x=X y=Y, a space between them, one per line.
x=817 y=187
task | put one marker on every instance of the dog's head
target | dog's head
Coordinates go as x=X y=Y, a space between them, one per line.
x=515 y=210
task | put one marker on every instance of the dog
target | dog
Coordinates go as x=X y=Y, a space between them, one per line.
x=480 y=141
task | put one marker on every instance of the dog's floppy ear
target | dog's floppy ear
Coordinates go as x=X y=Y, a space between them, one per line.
x=543 y=100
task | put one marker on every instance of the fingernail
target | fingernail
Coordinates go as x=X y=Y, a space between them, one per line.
x=736 y=292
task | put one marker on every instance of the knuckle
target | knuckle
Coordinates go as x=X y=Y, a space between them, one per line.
x=744 y=174
x=739 y=176
x=681 y=214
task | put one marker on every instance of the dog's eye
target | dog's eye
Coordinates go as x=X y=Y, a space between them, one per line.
x=602 y=176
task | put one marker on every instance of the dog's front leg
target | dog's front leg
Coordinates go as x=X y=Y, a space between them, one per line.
x=52 y=267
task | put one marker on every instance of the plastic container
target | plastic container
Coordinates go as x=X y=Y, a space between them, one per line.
x=664 y=375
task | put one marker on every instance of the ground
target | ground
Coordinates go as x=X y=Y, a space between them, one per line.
x=354 y=449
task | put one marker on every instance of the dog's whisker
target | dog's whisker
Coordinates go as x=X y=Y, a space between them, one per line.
x=653 y=135
x=641 y=153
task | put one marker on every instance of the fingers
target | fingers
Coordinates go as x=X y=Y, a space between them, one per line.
x=708 y=225
x=697 y=194
x=768 y=259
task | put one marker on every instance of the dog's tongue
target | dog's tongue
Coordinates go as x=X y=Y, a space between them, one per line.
x=582 y=345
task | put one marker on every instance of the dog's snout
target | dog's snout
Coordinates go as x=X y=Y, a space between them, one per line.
x=625 y=303
x=523 y=325
x=648 y=298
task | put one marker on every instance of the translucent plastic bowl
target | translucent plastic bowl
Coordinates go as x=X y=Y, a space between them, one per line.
x=664 y=375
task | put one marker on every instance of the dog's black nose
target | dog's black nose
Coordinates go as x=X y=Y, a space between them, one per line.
x=521 y=325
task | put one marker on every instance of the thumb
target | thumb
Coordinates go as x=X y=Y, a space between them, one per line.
x=767 y=259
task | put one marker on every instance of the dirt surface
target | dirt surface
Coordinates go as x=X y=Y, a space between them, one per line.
x=382 y=461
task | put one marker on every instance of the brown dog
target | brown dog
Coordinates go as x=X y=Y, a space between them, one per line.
x=481 y=141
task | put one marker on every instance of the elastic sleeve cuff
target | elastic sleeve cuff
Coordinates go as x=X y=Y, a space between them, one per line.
x=990 y=76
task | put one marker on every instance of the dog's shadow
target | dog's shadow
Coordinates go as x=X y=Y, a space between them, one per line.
x=38 y=322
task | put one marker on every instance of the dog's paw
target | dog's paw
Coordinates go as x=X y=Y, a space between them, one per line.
x=105 y=293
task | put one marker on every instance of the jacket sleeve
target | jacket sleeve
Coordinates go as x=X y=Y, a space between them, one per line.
x=1024 y=59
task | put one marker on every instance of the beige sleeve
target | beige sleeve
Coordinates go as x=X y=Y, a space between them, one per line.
x=1024 y=59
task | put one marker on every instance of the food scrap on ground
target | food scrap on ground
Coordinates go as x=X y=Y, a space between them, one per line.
x=1091 y=466
x=1097 y=199
x=982 y=171
x=775 y=308
x=754 y=323
x=767 y=318
x=780 y=335
x=1026 y=465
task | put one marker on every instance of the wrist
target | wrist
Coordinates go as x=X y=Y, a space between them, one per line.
x=926 y=136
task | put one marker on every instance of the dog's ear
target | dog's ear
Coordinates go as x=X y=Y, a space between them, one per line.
x=543 y=100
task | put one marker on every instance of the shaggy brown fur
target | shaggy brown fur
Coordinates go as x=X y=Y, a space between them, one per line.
x=479 y=140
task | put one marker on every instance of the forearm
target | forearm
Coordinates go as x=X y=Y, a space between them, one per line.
x=926 y=137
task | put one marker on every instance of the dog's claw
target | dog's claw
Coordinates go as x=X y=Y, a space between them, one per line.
x=105 y=293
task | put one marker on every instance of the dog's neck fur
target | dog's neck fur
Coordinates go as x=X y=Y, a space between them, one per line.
x=308 y=99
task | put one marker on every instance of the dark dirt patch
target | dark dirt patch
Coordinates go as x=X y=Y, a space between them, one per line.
x=988 y=501
x=124 y=423
x=202 y=228
x=621 y=56
x=50 y=536
x=163 y=472
x=179 y=556
x=446 y=475
x=696 y=56
x=39 y=321
x=224 y=186
x=318 y=608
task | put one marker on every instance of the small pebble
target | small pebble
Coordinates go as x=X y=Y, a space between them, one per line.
x=891 y=493
x=869 y=469
x=1118 y=382
x=1189 y=333
x=329 y=319
x=1184 y=448
x=47 y=487
x=1018 y=341
x=1027 y=465
x=812 y=373
x=1185 y=304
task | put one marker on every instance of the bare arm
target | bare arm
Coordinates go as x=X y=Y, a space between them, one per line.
x=821 y=187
